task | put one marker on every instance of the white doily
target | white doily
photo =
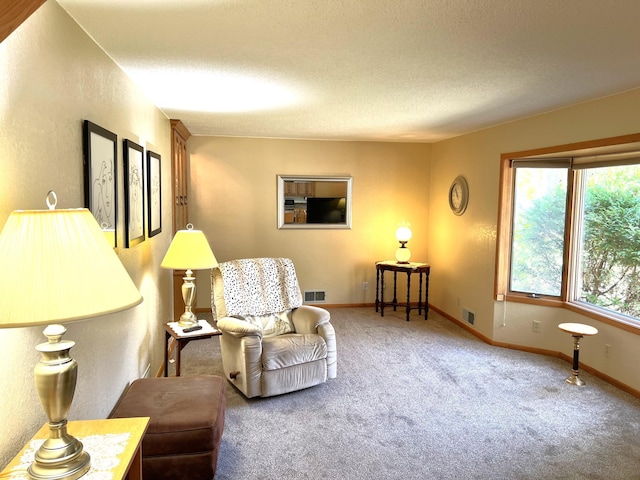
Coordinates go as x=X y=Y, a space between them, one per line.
x=206 y=328
x=103 y=449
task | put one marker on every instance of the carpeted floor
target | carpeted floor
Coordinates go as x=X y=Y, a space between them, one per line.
x=427 y=400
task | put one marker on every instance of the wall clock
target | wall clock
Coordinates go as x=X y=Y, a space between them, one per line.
x=459 y=195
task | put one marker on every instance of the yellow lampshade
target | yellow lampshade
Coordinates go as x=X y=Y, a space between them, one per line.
x=59 y=268
x=189 y=250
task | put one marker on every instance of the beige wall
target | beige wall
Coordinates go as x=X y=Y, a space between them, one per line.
x=54 y=77
x=462 y=249
x=233 y=199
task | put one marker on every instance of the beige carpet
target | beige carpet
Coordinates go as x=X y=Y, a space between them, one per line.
x=427 y=400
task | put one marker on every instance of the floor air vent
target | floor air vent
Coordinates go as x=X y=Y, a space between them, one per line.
x=314 y=296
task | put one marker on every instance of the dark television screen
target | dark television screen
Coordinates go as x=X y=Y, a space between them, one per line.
x=326 y=210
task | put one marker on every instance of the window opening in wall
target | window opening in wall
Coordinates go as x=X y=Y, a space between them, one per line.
x=607 y=273
x=569 y=228
x=540 y=197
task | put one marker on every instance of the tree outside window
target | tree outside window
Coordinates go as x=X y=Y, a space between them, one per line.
x=605 y=235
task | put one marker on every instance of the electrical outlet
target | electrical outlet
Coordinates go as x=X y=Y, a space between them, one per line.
x=535 y=326
x=365 y=286
x=458 y=301
x=607 y=349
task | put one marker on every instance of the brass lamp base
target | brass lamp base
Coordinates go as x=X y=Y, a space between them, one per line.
x=188 y=318
x=61 y=456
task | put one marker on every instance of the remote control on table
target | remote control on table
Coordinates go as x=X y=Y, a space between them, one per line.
x=192 y=329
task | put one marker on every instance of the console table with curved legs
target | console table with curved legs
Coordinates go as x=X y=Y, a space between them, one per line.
x=422 y=269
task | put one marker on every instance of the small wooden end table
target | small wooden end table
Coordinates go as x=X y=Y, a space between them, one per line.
x=423 y=269
x=172 y=330
x=127 y=462
x=577 y=331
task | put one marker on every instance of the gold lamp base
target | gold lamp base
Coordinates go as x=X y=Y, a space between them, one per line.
x=188 y=318
x=61 y=456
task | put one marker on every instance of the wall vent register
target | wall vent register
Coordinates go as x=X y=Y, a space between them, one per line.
x=312 y=296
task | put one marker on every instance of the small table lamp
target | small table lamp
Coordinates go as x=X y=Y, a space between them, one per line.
x=59 y=268
x=189 y=250
x=403 y=234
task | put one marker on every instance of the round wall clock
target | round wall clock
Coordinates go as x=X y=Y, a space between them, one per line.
x=459 y=195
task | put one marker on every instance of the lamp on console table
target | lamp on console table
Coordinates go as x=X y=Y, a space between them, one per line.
x=189 y=250
x=59 y=269
x=403 y=234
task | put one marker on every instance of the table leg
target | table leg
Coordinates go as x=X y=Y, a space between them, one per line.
x=179 y=348
x=426 y=295
x=377 y=283
x=408 y=293
x=420 y=294
x=135 y=470
x=395 y=297
x=382 y=293
x=166 y=353
x=574 y=378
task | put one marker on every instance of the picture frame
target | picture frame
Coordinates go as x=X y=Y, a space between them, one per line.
x=154 y=193
x=100 y=148
x=133 y=156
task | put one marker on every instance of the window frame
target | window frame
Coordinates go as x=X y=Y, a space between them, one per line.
x=505 y=229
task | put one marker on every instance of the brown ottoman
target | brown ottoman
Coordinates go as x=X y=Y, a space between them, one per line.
x=187 y=420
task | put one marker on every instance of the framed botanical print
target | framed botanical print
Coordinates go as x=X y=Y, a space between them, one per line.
x=154 y=194
x=100 y=178
x=133 y=193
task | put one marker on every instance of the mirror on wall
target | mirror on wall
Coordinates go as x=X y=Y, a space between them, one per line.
x=314 y=202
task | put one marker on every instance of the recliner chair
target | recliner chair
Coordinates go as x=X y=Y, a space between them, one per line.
x=271 y=344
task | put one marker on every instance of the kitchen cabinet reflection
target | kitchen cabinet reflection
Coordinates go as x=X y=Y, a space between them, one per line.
x=314 y=202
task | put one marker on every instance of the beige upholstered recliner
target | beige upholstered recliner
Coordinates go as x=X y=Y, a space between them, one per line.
x=271 y=343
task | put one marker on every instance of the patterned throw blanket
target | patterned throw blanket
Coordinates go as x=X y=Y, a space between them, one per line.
x=259 y=286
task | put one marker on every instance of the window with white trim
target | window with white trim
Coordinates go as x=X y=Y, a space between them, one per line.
x=569 y=228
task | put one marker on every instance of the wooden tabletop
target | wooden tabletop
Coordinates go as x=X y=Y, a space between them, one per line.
x=83 y=428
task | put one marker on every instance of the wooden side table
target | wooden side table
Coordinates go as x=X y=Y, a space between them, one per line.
x=423 y=269
x=122 y=463
x=172 y=330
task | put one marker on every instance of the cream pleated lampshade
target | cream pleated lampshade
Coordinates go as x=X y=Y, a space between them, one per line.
x=58 y=267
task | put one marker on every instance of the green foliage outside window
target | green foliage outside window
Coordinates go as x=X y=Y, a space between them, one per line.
x=608 y=273
x=611 y=242
x=538 y=231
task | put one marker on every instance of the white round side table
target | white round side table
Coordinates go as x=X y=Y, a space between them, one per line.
x=577 y=331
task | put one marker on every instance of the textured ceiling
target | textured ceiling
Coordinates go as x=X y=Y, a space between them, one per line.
x=394 y=70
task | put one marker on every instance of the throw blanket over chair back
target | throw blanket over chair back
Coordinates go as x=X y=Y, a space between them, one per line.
x=258 y=286
x=271 y=343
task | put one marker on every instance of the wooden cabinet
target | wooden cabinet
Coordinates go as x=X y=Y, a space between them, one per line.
x=179 y=181
x=179 y=137
x=13 y=13
x=299 y=189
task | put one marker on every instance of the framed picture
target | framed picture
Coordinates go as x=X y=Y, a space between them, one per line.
x=154 y=194
x=133 y=194
x=100 y=178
